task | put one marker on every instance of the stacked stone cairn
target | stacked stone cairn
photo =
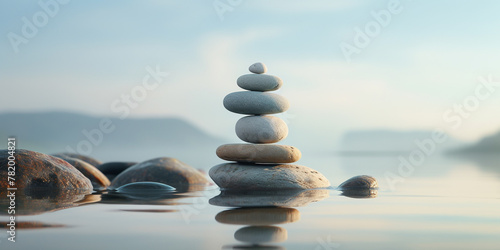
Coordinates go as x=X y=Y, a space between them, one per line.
x=260 y=164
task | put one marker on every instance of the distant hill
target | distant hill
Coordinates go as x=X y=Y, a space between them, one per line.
x=387 y=141
x=132 y=139
x=487 y=145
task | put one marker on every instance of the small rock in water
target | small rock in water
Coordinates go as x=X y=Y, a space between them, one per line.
x=145 y=187
x=36 y=171
x=112 y=169
x=239 y=176
x=98 y=179
x=259 y=153
x=261 y=234
x=165 y=170
x=261 y=83
x=84 y=158
x=261 y=129
x=255 y=103
x=258 y=68
x=359 y=182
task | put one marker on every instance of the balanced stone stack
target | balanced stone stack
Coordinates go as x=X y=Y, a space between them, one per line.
x=259 y=164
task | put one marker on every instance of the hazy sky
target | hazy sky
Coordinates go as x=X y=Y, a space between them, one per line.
x=410 y=64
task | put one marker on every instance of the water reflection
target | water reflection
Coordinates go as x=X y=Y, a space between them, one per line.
x=260 y=212
x=360 y=193
x=258 y=216
x=42 y=201
x=259 y=225
x=278 y=198
x=257 y=247
x=31 y=225
x=39 y=201
x=487 y=162
x=256 y=235
x=149 y=210
x=168 y=198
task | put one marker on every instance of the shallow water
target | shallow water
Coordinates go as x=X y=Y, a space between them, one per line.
x=442 y=204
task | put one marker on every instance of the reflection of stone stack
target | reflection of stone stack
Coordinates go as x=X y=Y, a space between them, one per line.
x=260 y=224
x=261 y=164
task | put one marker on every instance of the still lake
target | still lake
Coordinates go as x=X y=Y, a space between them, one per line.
x=445 y=203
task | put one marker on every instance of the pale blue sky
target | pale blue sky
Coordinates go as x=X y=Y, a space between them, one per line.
x=425 y=60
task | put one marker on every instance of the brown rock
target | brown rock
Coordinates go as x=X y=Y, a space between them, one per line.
x=359 y=182
x=98 y=179
x=84 y=158
x=40 y=171
x=259 y=153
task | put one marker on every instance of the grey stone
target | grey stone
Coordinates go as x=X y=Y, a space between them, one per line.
x=359 y=182
x=258 y=68
x=239 y=176
x=165 y=170
x=255 y=103
x=112 y=169
x=261 y=129
x=259 y=82
x=259 y=153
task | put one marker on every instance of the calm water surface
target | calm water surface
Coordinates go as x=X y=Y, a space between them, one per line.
x=442 y=204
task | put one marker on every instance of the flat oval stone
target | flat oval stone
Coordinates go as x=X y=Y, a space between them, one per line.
x=261 y=234
x=359 y=182
x=258 y=216
x=255 y=103
x=98 y=179
x=35 y=171
x=145 y=187
x=261 y=129
x=84 y=158
x=239 y=176
x=258 y=68
x=259 y=82
x=165 y=170
x=259 y=153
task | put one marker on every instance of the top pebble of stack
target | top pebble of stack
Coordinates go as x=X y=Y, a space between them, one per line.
x=258 y=68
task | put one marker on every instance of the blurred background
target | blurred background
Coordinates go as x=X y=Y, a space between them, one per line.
x=363 y=77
